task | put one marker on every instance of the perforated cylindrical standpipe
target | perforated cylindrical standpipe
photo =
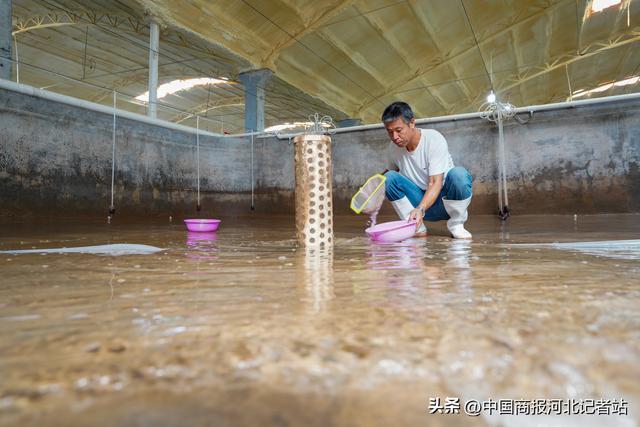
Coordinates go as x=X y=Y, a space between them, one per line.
x=314 y=209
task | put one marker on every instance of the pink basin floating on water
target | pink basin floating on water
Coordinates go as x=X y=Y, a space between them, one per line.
x=202 y=225
x=394 y=231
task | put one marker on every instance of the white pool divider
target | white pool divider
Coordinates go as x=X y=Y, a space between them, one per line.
x=622 y=249
x=314 y=190
x=114 y=250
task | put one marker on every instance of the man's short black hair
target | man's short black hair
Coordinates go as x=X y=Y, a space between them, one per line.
x=397 y=110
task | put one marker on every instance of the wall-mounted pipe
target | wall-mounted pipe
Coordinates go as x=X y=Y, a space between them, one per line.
x=99 y=108
x=464 y=116
x=76 y=102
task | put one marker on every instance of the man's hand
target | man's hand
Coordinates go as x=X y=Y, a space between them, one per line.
x=417 y=215
x=429 y=198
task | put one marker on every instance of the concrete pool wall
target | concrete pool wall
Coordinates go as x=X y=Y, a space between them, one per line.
x=574 y=160
x=55 y=159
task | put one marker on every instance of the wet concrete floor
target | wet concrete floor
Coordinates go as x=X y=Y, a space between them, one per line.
x=244 y=328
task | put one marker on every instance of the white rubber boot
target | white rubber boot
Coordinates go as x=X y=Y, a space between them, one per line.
x=457 y=210
x=403 y=208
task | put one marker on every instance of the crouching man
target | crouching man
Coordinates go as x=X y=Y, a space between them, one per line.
x=422 y=182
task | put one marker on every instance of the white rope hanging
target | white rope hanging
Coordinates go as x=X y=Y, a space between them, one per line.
x=112 y=208
x=15 y=43
x=497 y=112
x=253 y=206
x=198 y=159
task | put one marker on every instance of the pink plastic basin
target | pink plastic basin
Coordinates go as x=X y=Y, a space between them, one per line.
x=202 y=225
x=393 y=231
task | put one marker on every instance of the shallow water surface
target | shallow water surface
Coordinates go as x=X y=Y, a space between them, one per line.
x=242 y=327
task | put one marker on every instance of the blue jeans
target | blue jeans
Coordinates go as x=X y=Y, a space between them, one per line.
x=457 y=186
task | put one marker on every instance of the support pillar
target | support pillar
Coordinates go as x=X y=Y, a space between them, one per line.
x=154 y=45
x=6 y=39
x=254 y=82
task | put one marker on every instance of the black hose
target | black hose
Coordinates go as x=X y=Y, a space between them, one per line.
x=523 y=121
x=504 y=213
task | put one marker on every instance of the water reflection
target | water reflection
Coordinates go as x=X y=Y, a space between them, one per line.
x=317 y=266
x=459 y=253
x=202 y=246
x=400 y=269
x=434 y=271
x=458 y=257
x=504 y=230
x=408 y=254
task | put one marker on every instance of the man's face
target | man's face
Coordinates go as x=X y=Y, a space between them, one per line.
x=400 y=132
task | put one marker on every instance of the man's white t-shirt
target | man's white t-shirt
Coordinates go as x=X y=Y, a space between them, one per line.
x=431 y=157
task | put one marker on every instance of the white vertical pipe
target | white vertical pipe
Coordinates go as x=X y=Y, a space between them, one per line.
x=503 y=160
x=15 y=42
x=252 y=197
x=154 y=42
x=499 y=154
x=113 y=153
x=566 y=69
x=198 y=156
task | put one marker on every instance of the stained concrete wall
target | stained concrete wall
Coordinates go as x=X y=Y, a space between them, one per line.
x=55 y=159
x=583 y=159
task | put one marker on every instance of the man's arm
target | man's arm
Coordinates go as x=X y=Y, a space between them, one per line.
x=430 y=197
